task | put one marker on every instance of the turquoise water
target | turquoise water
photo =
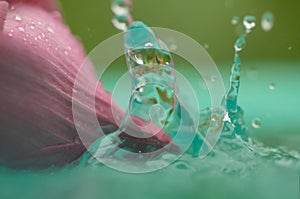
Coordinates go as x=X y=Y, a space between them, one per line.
x=233 y=170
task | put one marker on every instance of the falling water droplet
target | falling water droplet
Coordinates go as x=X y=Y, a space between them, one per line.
x=256 y=123
x=290 y=48
x=267 y=21
x=120 y=8
x=18 y=18
x=249 y=22
x=272 y=86
x=235 y=20
x=121 y=22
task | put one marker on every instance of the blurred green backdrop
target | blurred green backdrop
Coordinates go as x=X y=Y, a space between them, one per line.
x=207 y=21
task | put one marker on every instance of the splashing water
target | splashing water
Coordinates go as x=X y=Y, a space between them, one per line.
x=154 y=101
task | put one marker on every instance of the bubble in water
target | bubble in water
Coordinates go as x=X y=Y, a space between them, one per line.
x=256 y=123
x=272 y=86
x=235 y=20
x=249 y=22
x=267 y=21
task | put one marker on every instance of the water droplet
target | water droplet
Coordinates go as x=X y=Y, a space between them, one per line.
x=32 y=25
x=240 y=43
x=18 y=18
x=206 y=46
x=21 y=29
x=66 y=52
x=119 y=9
x=12 y=7
x=249 y=22
x=173 y=47
x=50 y=29
x=120 y=22
x=10 y=34
x=148 y=45
x=213 y=78
x=69 y=48
x=256 y=123
x=235 y=20
x=272 y=86
x=290 y=48
x=267 y=21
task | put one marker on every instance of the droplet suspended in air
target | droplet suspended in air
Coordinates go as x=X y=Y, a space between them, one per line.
x=119 y=8
x=235 y=20
x=249 y=22
x=272 y=86
x=267 y=21
x=120 y=22
x=256 y=123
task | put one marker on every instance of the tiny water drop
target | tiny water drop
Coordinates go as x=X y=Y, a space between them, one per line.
x=50 y=30
x=213 y=78
x=290 y=48
x=18 y=18
x=32 y=25
x=148 y=45
x=235 y=20
x=66 y=52
x=206 y=46
x=10 y=34
x=21 y=29
x=249 y=22
x=119 y=8
x=272 y=86
x=12 y=8
x=256 y=123
x=267 y=21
